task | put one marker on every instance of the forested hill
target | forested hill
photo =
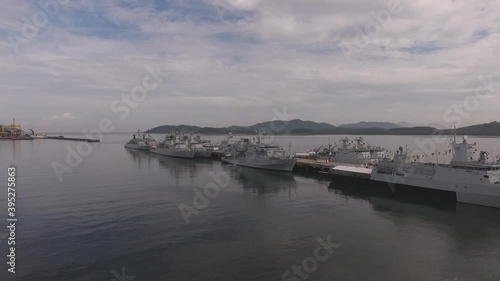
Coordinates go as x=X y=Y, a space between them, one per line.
x=300 y=127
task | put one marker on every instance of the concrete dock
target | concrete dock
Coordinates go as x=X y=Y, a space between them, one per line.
x=312 y=166
x=352 y=171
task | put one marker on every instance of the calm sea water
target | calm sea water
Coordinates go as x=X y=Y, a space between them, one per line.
x=118 y=213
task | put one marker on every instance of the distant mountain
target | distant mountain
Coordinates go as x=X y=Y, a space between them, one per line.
x=410 y=125
x=274 y=127
x=487 y=129
x=366 y=125
x=300 y=127
x=405 y=125
x=412 y=131
x=340 y=131
x=435 y=125
x=288 y=126
x=190 y=128
x=168 y=128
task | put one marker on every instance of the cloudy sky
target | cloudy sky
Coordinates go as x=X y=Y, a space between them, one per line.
x=235 y=62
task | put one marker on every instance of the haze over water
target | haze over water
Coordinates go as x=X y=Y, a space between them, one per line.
x=119 y=210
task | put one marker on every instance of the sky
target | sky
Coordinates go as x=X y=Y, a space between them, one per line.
x=66 y=65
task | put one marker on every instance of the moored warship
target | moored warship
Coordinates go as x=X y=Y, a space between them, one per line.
x=175 y=145
x=141 y=141
x=260 y=154
x=473 y=180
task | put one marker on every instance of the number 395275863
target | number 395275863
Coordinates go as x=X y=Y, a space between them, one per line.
x=11 y=195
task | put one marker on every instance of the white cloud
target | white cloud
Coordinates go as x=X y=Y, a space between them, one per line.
x=63 y=116
x=264 y=54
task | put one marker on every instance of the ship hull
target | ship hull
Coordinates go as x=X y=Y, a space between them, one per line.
x=202 y=154
x=406 y=193
x=137 y=147
x=465 y=192
x=187 y=154
x=282 y=165
x=478 y=199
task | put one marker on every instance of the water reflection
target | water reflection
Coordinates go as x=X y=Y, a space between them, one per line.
x=446 y=224
x=139 y=157
x=262 y=181
x=480 y=213
x=177 y=167
x=9 y=147
x=384 y=200
x=466 y=226
x=363 y=189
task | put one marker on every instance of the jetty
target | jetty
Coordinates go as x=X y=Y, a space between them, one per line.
x=73 y=139
x=351 y=172
x=325 y=167
x=320 y=166
x=313 y=165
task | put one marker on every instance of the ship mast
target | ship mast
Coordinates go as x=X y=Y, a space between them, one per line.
x=455 y=134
